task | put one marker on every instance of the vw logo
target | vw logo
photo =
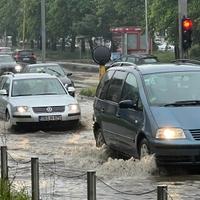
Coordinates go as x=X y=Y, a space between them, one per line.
x=49 y=109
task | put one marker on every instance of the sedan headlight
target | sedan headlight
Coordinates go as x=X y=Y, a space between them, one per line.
x=73 y=108
x=22 y=109
x=18 y=68
x=170 y=133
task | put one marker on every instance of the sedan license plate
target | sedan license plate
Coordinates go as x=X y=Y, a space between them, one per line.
x=25 y=58
x=50 y=118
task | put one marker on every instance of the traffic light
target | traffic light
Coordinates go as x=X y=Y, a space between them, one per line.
x=186 y=33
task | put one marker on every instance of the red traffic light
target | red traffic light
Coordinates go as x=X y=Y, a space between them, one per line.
x=187 y=24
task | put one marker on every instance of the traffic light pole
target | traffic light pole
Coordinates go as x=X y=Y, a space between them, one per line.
x=182 y=11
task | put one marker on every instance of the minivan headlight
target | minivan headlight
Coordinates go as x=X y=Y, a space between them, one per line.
x=170 y=133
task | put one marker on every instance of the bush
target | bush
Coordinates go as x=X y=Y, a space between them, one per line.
x=194 y=52
x=7 y=192
x=164 y=57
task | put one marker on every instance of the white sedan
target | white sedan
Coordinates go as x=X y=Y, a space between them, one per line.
x=36 y=98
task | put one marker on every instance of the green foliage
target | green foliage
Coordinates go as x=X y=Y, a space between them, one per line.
x=7 y=192
x=90 y=92
x=163 y=17
x=194 y=52
x=164 y=57
x=91 y=18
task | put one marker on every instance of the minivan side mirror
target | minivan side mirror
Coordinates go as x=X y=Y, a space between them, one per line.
x=3 y=92
x=127 y=104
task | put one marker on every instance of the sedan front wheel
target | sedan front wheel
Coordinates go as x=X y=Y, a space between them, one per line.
x=8 y=124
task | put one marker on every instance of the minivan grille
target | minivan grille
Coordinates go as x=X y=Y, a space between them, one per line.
x=46 y=110
x=195 y=133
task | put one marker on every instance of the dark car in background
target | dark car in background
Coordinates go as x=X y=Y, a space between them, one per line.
x=53 y=69
x=25 y=56
x=8 y=64
x=137 y=59
x=140 y=59
x=150 y=109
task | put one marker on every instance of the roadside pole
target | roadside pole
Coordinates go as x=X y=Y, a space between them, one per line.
x=182 y=11
x=43 y=30
x=102 y=70
x=146 y=29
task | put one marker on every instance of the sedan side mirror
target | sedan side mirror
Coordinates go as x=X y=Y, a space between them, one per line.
x=69 y=74
x=3 y=92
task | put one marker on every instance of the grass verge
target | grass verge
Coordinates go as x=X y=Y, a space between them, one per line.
x=8 y=192
x=90 y=92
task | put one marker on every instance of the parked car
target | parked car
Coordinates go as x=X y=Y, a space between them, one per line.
x=25 y=55
x=137 y=59
x=150 y=109
x=8 y=64
x=166 y=47
x=6 y=50
x=54 y=69
x=36 y=98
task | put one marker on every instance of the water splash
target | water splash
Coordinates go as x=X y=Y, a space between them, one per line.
x=88 y=157
x=128 y=168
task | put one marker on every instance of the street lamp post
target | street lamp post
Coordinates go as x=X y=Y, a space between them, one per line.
x=43 y=28
x=24 y=24
x=146 y=29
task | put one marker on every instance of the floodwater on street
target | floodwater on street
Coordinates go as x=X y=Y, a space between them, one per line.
x=66 y=156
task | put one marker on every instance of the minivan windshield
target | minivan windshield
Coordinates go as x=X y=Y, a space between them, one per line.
x=173 y=88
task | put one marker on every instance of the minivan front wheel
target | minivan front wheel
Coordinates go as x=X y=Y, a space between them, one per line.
x=144 y=149
x=99 y=138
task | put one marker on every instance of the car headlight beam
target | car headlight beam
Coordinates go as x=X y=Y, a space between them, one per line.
x=170 y=133
x=73 y=108
x=18 y=68
x=22 y=109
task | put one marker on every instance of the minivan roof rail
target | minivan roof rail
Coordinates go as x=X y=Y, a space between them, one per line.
x=181 y=61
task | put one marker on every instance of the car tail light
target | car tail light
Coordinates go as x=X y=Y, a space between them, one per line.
x=17 y=56
x=33 y=55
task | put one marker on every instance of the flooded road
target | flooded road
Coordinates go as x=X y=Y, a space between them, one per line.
x=65 y=157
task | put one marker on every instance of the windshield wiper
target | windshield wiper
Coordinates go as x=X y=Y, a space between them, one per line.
x=58 y=73
x=47 y=93
x=184 y=103
x=19 y=95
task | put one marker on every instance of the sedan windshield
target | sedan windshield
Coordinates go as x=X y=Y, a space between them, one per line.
x=51 y=69
x=40 y=86
x=173 y=88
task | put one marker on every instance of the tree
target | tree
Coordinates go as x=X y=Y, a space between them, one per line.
x=164 y=17
x=8 y=13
